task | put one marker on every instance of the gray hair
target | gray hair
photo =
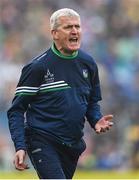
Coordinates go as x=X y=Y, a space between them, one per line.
x=61 y=12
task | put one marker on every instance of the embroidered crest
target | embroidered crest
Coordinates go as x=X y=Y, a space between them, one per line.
x=85 y=73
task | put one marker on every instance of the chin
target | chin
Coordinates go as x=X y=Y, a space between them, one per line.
x=74 y=48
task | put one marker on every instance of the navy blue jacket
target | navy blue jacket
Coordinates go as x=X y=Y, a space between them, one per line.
x=54 y=96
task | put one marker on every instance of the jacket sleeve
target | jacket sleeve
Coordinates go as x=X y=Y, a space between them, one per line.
x=93 y=112
x=27 y=88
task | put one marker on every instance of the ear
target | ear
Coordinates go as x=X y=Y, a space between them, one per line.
x=54 y=34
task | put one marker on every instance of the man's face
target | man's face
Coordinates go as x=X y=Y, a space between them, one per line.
x=68 y=34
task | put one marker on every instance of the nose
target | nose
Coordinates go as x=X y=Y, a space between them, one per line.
x=74 y=30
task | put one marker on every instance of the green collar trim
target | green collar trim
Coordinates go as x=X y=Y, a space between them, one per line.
x=58 y=53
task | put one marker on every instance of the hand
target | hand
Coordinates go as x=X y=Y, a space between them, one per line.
x=19 y=160
x=104 y=124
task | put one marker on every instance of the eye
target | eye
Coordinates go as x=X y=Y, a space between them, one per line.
x=77 y=26
x=68 y=27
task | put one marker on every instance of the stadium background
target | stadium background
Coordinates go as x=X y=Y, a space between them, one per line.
x=111 y=35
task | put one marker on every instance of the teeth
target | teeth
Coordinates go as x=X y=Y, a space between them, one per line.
x=74 y=39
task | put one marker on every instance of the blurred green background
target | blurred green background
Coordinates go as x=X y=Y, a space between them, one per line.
x=111 y=36
x=84 y=174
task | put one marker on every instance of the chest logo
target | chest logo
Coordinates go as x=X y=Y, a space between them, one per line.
x=85 y=73
x=49 y=77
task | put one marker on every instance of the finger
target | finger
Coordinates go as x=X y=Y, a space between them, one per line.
x=17 y=165
x=26 y=166
x=104 y=129
x=108 y=117
x=110 y=124
x=22 y=167
x=15 y=162
x=21 y=159
x=107 y=128
x=18 y=162
x=98 y=130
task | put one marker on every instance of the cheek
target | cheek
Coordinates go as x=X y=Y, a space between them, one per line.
x=63 y=36
x=80 y=33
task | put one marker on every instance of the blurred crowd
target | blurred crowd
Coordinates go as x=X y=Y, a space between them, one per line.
x=111 y=36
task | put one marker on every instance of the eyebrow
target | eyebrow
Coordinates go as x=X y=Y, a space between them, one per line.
x=70 y=25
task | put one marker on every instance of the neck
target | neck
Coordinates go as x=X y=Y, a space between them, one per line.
x=63 y=55
x=64 y=51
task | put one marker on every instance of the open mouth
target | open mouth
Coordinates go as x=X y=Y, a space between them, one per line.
x=73 y=40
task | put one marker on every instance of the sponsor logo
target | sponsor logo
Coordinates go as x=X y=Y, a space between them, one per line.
x=49 y=77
